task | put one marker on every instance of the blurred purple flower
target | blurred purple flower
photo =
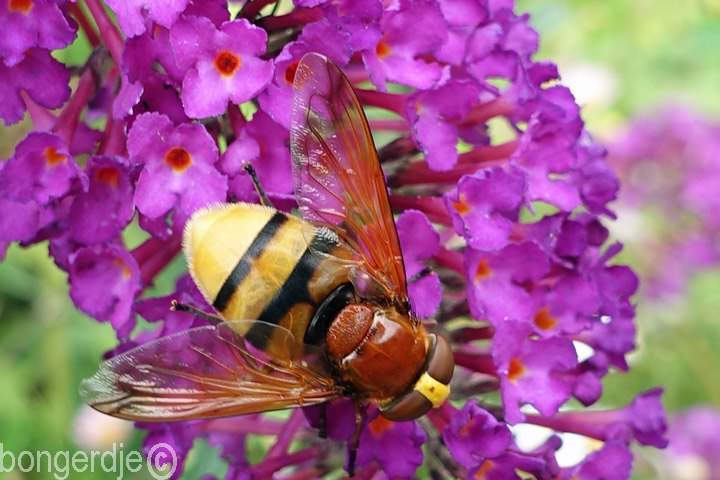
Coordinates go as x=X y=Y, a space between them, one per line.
x=669 y=163
x=516 y=291
x=694 y=440
x=613 y=460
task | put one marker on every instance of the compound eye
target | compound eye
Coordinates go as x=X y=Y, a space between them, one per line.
x=410 y=407
x=415 y=404
x=442 y=362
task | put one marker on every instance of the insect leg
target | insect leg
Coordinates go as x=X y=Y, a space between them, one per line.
x=359 y=420
x=322 y=427
x=181 y=307
x=264 y=200
x=421 y=274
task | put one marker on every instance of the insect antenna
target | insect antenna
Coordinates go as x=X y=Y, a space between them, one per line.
x=421 y=274
x=322 y=427
x=264 y=200
x=182 y=307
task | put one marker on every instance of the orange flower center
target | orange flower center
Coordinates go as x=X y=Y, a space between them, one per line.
x=382 y=49
x=227 y=63
x=379 y=425
x=290 y=72
x=465 y=429
x=108 y=175
x=52 y=157
x=544 y=320
x=484 y=469
x=178 y=158
x=483 y=270
x=461 y=206
x=23 y=6
x=125 y=269
x=516 y=369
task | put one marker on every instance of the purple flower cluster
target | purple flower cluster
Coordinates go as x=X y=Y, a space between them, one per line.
x=670 y=165
x=694 y=442
x=186 y=94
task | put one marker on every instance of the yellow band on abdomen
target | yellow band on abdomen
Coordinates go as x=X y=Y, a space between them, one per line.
x=436 y=392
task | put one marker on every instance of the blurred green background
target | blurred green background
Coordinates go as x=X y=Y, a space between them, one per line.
x=620 y=57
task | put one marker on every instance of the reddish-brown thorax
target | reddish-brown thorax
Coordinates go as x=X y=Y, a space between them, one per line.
x=379 y=352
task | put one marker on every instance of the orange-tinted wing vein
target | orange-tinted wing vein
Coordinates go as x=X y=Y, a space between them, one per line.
x=203 y=372
x=338 y=178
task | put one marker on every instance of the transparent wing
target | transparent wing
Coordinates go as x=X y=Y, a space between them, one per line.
x=338 y=178
x=204 y=372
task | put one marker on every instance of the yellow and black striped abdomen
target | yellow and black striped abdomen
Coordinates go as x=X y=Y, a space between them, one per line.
x=256 y=263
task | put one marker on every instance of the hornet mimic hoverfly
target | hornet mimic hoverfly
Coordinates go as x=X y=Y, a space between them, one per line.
x=308 y=310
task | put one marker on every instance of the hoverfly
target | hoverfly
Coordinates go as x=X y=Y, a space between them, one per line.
x=309 y=309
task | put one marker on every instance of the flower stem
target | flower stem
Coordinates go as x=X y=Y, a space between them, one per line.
x=481 y=363
x=40 y=117
x=467 y=335
x=79 y=15
x=68 y=120
x=109 y=33
x=271 y=465
x=252 y=8
x=237 y=120
x=309 y=474
x=356 y=71
x=296 y=18
x=485 y=111
x=486 y=154
x=285 y=437
x=398 y=148
x=420 y=174
x=588 y=424
x=441 y=416
x=113 y=142
x=393 y=102
x=245 y=424
x=154 y=255
x=433 y=207
x=450 y=259
x=367 y=473
x=388 y=124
